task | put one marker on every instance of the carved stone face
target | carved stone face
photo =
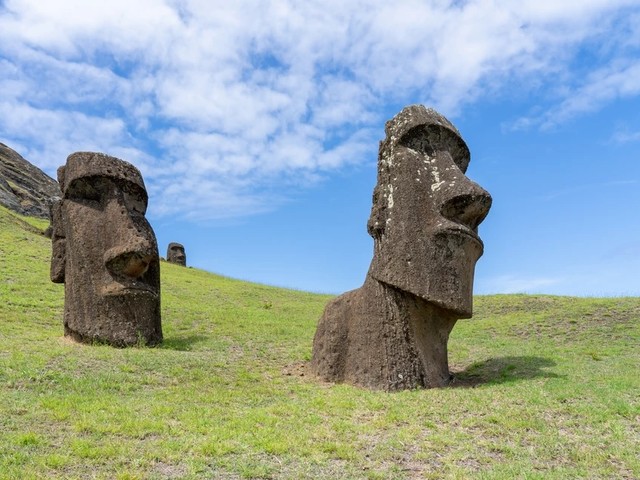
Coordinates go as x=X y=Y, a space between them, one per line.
x=105 y=252
x=426 y=212
x=175 y=254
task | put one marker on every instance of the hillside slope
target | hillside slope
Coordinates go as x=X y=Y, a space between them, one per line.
x=24 y=188
x=546 y=387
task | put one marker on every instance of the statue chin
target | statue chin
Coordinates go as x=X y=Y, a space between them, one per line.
x=441 y=274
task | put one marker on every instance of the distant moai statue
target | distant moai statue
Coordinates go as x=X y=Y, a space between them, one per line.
x=105 y=252
x=175 y=254
x=392 y=332
x=48 y=232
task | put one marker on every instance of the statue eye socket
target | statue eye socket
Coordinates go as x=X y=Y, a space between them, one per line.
x=86 y=189
x=419 y=139
x=428 y=140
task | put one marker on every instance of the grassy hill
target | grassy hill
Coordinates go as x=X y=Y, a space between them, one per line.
x=546 y=387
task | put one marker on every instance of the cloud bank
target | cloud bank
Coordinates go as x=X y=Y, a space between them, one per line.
x=227 y=106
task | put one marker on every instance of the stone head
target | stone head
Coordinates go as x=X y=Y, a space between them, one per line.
x=426 y=212
x=175 y=254
x=105 y=252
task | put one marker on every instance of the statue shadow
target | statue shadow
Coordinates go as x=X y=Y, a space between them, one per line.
x=502 y=370
x=182 y=344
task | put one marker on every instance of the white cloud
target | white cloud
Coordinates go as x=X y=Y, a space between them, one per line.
x=58 y=132
x=592 y=189
x=601 y=87
x=626 y=136
x=516 y=284
x=69 y=28
x=236 y=98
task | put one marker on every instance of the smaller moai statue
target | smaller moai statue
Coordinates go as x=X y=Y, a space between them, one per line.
x=105 y=252
x=175 y=254
x=48 y=232
x=392 y=332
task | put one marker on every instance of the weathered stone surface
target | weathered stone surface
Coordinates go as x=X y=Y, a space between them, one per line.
x=24 y=188
x=176 y=254
x=105 y=252
x=392 y=333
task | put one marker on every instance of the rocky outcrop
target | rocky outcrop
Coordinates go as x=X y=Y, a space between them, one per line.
x=24 y=188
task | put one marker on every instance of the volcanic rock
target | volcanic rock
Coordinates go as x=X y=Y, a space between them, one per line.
x=392 y=332
x=24 y=188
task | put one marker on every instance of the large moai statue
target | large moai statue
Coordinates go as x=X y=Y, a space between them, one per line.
x=392 y=332
x=176 y=254
x=105 y=252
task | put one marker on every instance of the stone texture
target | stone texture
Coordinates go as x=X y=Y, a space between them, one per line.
x=392 y=333
x=24 y=188
x=105 y=252
x=176 y=254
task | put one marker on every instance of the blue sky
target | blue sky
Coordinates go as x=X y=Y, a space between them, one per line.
x=256 y=124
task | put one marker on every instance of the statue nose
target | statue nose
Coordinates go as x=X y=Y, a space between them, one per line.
x=134 y=250
x=468 y=205
x=126 y=261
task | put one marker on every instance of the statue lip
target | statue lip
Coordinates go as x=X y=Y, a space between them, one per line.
x=462 y=230
x=135 y=288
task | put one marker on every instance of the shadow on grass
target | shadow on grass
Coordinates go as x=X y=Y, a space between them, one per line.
x=502 y=370
x=182 y=344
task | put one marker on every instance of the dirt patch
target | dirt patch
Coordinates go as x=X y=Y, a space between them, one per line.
x=169 y=471
x=298 y=369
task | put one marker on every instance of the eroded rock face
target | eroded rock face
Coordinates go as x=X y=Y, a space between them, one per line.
x=175 y=254
x=24 y=188
x=105 y=252
x=392 y=333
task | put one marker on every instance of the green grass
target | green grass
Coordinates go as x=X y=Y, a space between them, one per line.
x=546 y=387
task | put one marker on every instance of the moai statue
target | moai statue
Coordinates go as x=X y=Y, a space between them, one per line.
x=175 y=254
x=48 y=232
x=105 y=253
x=392 y=332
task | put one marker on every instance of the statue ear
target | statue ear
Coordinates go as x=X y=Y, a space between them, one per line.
x=377 y=219
x=379 y=214
x=58 y=244
x=60 y=172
